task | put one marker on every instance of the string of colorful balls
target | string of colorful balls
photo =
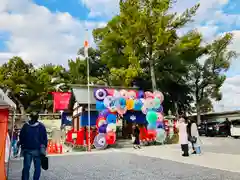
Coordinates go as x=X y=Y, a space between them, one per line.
x=110 y=102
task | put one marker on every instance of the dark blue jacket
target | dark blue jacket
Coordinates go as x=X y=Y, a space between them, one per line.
x=33 y=136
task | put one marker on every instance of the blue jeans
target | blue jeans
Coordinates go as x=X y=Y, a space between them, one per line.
x=29 y=156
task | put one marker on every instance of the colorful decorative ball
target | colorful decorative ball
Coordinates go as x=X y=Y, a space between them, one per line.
x=160 y=117
x=157 y=103
x=160 y=109
x=159 y=95
x=144 y=110
x=160 y=124
x=151 y=117
x=152 y=126
x=122 y=102
x=124 y=93
x=104 y=113
x=149 y=103
x=112 y=127
x=110 y=138
x=137 y=105
x=132 y=94
x=111 y=118
x=109 y=101
x=130 y=104
x=100 y=141
x=140 y=94
x=116 y=94
x=100 y=121
x=100 y=106
x=103 y=128
x=149 y=94
x=110 y=91
x=100 y=94
x=121 y=111
x=161 y=135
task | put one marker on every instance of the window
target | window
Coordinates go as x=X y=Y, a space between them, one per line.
x=236 y=122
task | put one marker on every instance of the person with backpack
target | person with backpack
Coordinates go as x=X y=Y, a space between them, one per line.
x=33 y=142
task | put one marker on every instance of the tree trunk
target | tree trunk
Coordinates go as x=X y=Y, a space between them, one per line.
x=176 y=109
x=21 y=108
x=153 y=78
x=198 y=113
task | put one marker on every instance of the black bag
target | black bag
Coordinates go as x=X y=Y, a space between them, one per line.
x=44 y=162
x=193 y=139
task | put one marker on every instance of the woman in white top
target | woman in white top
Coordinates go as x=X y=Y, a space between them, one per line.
x=195 y=134
x=183 y=136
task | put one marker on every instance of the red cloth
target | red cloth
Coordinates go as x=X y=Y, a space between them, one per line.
x=3 y=129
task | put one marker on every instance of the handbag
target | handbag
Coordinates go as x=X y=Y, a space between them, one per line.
x=193 y=139
x=44 y=162
x=133 y=139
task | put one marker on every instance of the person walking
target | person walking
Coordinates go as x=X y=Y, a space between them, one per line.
x=33 y=141
x=136 y=134
x=228 y=127
x=183 y=136
x=14 y=142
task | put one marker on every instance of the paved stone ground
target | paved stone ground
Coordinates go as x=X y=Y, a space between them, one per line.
x=221 y=145
x=122 y=166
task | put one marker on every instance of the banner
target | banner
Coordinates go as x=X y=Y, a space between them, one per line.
x=4 y=131
x=60 y=100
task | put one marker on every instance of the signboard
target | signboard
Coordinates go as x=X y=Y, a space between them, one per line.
x=60 y=100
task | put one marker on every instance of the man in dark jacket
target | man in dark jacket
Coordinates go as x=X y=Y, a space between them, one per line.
x=33 y=141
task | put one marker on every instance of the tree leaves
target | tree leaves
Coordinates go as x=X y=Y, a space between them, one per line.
x=142 y=47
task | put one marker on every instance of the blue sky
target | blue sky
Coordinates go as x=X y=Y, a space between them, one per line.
x=51 y=31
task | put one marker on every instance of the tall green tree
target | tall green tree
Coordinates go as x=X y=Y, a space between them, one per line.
x=208 y=77
x=150 y=31
x=48 y=78
x=17 y=78
x=143 y=39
